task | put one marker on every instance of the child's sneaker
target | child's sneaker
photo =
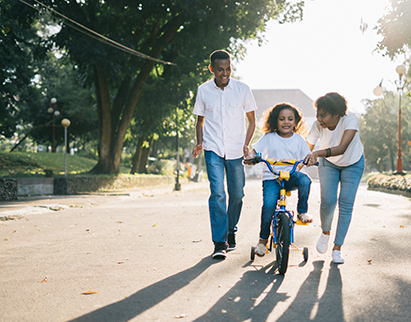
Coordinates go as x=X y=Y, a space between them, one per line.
x=305 y=218
x=261 y=248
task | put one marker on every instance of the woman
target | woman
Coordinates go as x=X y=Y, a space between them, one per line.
x=341 y=161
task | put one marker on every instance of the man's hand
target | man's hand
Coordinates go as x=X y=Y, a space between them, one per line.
x=249 y=156
x=197 y=150
x=246 y=150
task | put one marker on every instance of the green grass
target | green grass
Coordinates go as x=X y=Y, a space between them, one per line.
x=24 y=164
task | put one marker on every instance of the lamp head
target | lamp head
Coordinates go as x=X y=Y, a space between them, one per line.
x=65 y=123
x=378 y=91
x=401 y=70
x=53 y=101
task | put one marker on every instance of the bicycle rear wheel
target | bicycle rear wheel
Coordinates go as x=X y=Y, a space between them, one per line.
x=283 y=242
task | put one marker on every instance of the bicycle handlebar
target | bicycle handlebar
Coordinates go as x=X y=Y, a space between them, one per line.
x=269 y=162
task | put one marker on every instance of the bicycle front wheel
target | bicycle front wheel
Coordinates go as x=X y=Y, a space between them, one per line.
x=283 y=242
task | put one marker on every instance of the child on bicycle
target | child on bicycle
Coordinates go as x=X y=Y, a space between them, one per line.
x=283 y=129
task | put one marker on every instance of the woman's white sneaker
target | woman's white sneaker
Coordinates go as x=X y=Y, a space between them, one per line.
x=322 y=244
x=337 y=257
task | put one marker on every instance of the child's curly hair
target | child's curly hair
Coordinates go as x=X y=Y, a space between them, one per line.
x=271 y=119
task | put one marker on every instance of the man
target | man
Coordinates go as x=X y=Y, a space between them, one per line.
x=222 y=104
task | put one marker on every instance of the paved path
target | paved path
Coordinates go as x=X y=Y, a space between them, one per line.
x=145 y=256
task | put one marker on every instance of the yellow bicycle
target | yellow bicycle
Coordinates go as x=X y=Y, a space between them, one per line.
x=282 y=224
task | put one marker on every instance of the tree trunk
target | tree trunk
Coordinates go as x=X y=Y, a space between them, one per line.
x=111 y=137
x=137 y=156
x=104 y=164
x=144 y=157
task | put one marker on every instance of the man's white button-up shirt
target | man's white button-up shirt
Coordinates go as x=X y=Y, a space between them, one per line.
x=224 y=116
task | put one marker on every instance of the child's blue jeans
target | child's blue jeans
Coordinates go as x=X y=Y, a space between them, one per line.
x=271 y=193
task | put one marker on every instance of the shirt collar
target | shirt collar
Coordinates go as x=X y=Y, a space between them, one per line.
x=228 y=86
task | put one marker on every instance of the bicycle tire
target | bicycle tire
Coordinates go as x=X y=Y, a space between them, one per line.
x=283 y=242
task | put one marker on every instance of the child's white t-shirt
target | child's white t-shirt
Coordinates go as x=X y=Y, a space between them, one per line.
x=333 y=138
x=273 y=146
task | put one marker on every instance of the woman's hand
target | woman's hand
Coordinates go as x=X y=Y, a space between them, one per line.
x=311 y=158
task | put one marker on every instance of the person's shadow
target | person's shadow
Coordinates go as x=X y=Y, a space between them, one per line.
x=251 y=299
x=307 y=306
x=137 y=303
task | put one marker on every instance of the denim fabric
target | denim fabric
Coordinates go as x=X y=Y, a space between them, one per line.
x=224 y=220
x=348 y=178
x=271 y=193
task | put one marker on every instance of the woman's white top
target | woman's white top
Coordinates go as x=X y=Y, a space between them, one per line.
x=273 y=146
x=333 y=138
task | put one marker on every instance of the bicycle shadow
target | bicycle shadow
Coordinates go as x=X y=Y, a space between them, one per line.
x=251 y=299
x=137 y=303
x=307 y=306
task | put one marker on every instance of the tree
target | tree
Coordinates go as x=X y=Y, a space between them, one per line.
x=395 y=27
x=379 y=131
x=183 y=32
x=20 y=47
x=57 y=78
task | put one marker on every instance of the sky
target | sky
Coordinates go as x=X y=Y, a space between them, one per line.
x=325 y=52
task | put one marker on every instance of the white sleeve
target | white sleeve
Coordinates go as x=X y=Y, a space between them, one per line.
x=261 y=145
x=314 y=133
x=249 y=101
x=199 y=106
x=352 y=122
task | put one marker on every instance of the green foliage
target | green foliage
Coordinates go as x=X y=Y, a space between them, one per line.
x=21 y=164
x=379 y=132
x=184 y=32
x=20 y=48
x=395 y=27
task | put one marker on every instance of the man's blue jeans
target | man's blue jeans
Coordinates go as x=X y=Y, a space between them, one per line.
x=348 y=178
x=224 y=220
x=271 y=193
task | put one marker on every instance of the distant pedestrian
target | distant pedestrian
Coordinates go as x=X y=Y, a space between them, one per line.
x=341 y=165
x=222 y=106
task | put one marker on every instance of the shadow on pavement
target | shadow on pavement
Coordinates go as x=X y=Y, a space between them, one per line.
x=256 y=296
x=307 y=306
x=251 y=299
x=148 y=297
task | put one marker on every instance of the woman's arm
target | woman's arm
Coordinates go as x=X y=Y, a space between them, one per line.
x=346 y=139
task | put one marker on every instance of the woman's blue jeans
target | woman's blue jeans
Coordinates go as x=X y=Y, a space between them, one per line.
x=347 y=178
x=224 y=220
x=271 y=193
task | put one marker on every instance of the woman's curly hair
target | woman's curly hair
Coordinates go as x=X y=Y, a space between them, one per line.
x=271 y=119
x=332 y=103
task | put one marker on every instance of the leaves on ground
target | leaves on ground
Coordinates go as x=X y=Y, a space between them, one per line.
x=89 y=292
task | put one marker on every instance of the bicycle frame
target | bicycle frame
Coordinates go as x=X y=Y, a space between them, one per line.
x=282 y=176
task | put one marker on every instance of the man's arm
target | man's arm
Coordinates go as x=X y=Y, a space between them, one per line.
x=250 y=131
x=199 y=134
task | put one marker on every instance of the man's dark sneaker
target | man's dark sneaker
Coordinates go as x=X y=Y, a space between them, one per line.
x=231 y=242
x=219 y=251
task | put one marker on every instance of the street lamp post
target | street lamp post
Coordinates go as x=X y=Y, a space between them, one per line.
x=177 y=185
x=53 y=109
x=400 y=86
x=66 y=124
